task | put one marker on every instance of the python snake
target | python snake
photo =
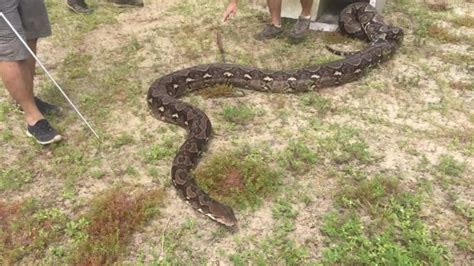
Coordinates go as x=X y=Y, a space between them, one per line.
x=358 y=20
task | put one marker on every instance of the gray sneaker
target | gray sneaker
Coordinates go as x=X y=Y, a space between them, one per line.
x=78 y=6
x=300 y=28
x=270 y=31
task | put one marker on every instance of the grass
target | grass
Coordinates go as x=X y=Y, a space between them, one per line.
x=123 y=140
x=242 y=178
x=175 y=247
x=367 y=193
x=99 y=236
x=14 y=178
x=423 y=21
x=463 y=21
x=344 y=145
x=276 y=248
x=462 y=86
x=27 y=229
x=166 y=149
x=443 y=34
x=102 y=234
x=455 y=58
x=217 y=91
x=322 y=105
x=352 y=244
x=297 y=157
x=372 y=172
x=449 y=166
x=72 y=29
x=394 y=233
x=241 y=114
x=76 y=65
x=5 y=108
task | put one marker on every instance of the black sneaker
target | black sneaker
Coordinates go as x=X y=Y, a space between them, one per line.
x=79 y=6
x=300 y=28
x=44 y=107
x=270 y=31
x=47 y=108
x=43 y=133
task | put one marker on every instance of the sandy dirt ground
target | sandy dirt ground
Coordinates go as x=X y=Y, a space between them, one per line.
x=410 y=112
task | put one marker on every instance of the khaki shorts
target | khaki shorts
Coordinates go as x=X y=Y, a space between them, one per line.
x=29 y=18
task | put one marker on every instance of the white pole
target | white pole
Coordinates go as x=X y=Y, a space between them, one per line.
x=47 y=73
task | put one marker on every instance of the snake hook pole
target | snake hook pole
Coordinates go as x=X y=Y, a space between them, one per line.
x=47 y=73
x=220 y=45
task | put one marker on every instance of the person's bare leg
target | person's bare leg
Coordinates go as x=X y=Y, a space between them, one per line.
x=44 y=107
x=17 y=77
x=31 y=64
x=31 y=61
x=306 y=7
x=275 y=11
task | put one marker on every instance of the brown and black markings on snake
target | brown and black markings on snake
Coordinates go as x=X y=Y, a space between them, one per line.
x=358 y=20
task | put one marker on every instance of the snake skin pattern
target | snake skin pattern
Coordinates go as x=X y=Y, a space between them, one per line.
x=359 y=20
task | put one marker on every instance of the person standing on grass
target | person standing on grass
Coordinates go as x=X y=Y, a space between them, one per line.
x=274 y=28
x=17 y=66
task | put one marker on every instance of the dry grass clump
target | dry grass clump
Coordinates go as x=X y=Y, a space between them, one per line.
x=113 y=218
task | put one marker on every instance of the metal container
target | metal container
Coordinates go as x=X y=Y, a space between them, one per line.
x=324 y=13
x=328 y=12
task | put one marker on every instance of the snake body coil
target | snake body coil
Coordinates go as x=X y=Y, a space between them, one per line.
x=359 y=20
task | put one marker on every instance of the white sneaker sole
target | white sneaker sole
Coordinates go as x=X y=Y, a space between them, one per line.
x=55 y=139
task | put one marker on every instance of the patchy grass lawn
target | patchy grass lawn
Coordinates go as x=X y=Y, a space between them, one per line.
x=378 y=171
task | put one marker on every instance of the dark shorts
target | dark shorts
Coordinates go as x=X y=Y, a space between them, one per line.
x=29 y=18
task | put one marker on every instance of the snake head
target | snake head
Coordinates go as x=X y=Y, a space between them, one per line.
x=222 y=214
x=395 y=33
